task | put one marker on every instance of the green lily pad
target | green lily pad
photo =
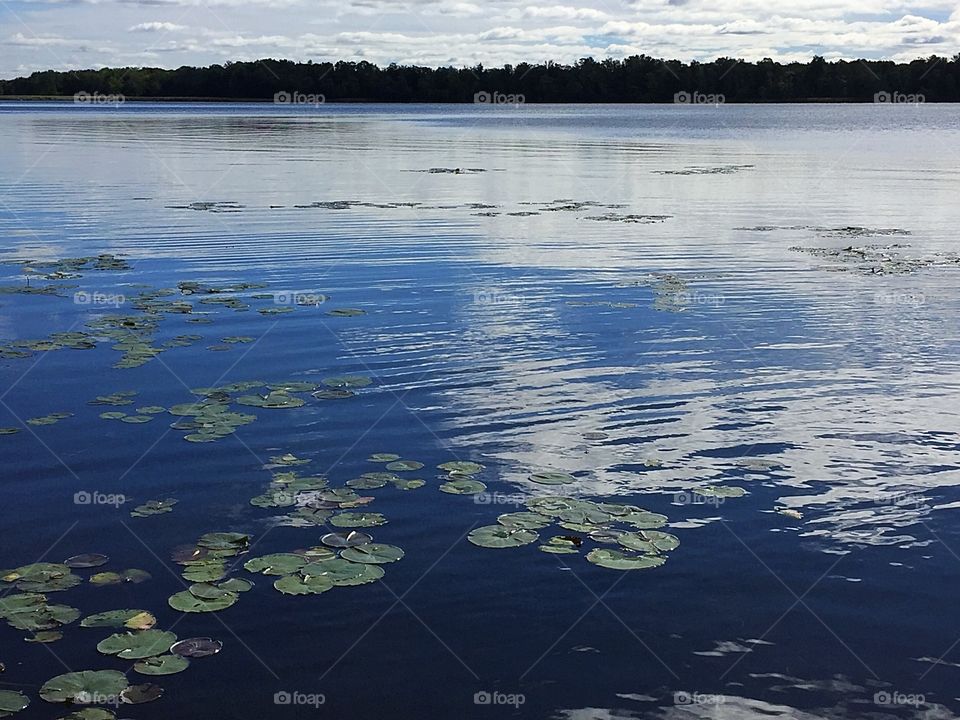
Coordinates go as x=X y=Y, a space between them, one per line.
x=113 y=415
x=413 y=484
x=187 y=602
x=644 y=520
x=366 y=483
x=404 y=465
x=664 y=542
x=463 y=487
x=346 y=540
x=224 y=541
x=136 y=645
x=90 y=714
x=559 y=545
x=236 y=585
x=299 y=585
x=276 y=564
x=616 y=560
x=547 y=477
x=343 y=572
x=524 y=520
x=498 y=536
x=383 y=457
x=162 y=665
x=43 y=617
x=346 y=312
x=44 y=636
x=87 y=560
x=9 y=430
x=373 y=553
x=345 y=382
x=154 y=507
x=354 y=519
x=85 y=687
x=461 y=467
x=12 y=701
x=139 y=694
x=112 y=618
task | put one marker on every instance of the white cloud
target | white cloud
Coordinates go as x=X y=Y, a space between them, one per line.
x=156 y=27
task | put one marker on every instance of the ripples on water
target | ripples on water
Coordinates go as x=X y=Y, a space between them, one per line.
x=512 y=315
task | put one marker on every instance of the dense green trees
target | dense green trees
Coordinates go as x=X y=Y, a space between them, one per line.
x=634 y=79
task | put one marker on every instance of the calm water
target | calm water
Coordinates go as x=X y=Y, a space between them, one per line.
x=618 y=295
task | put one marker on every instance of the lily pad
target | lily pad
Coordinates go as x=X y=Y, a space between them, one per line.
x=300 y=585
x=383 y=457
x=461 y=467
x=87 y=560
x=463 y=487
x=118 y=618
x=198 y=647
x=413 y=484
x=85 y=687
x=139 y=694
x=498 y=536
x=343 y=572
x=404 y=465
x=346 y=540
x=616 y=560
x=559 y=545
x=136 y=645
x=721 y=491
x=524 y=520
x=344 y=382
x=12 y=701
x=373 y=553
x=162 y=665
x=547 y=477
x=276 y=564
x=354 y=519
x=187 y=602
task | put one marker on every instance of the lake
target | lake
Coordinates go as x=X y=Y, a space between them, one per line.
x=711 y=352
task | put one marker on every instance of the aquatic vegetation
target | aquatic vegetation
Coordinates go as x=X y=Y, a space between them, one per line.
x=616 y=560
x=134 y=619
x=153 y=507
x=721 y=491
x=463 y=486
x=498 y=536
x=162 y=665
x=461 y=467
x=547 y=477
x=87 y=560
x=404 y=465
x=84 y=686
x=706 y=170
x=198 y=647
x=354 y=520
x=137 y=645
x=50 y=419
x=372 y=553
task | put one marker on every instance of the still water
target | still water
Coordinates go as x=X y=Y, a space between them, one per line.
x=655 y=300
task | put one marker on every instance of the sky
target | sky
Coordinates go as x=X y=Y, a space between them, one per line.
x=71 y=34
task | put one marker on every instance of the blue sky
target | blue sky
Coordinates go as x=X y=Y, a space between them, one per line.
x=68 y=34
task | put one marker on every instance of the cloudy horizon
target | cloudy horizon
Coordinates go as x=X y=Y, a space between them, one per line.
x=79 y=34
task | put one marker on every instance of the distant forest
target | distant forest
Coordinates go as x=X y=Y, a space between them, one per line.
x=634 y=79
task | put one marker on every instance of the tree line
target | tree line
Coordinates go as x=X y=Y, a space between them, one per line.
x=634 y=79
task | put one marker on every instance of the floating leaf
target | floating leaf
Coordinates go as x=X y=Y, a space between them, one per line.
x=139 y=694
x=106 y=578
x=153 y=507
x=84 y=687
x=352 y=519
x=346 y=540
x=342 y=382
x=12 y=701
x=404 y=465
x=383 y=457
x=87 y=560
x=463 y=487
x=44 y=636
x=524 y=520
x=343 y=572
x=560 y=545
x=90 y=714
x=402 y=484
x=135 y=645
x=552 y=478
x=117 y=618
x=616 y=560
x=198 y=647
x=721 y=491
x=162 y=665
x=187 y=602
x=346 y=312
x=461 y=467
x=276 y=564
x=498 y=536
x=366 y=483
x=373 y=553
x=299 y=585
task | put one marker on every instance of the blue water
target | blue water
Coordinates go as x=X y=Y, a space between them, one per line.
x=695 y=340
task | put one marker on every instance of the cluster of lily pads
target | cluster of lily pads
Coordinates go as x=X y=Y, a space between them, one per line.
x=26 y=607
x=631 y=531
